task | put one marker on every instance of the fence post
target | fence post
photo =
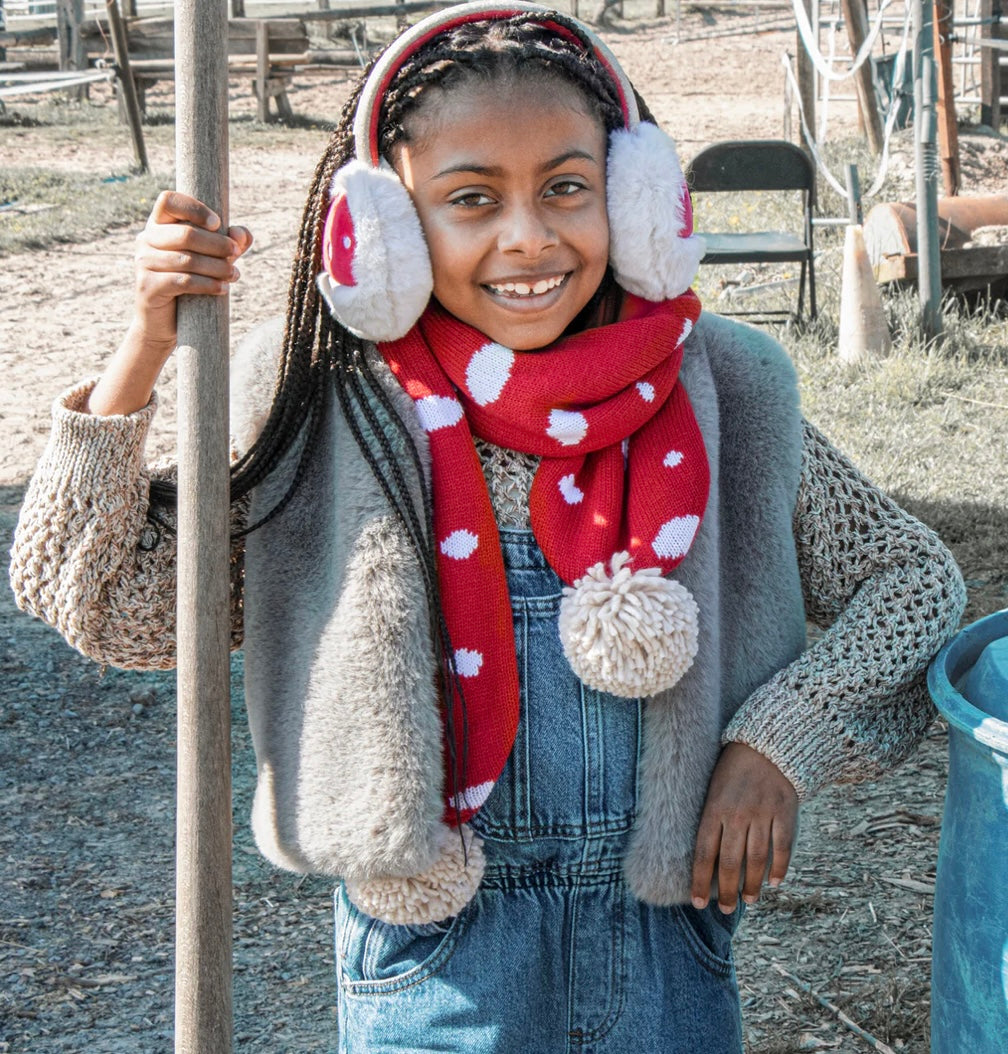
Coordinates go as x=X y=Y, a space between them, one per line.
x=857 y=30
x=948 y=132
x=126 y=84
x=203 y=893
x=990 y=65
x=72 y=56
x=806 y=78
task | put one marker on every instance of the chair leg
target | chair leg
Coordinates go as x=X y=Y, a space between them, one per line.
x=801 y=291
x=811 y=287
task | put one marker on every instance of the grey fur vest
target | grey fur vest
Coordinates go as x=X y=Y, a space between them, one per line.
x=340 y=682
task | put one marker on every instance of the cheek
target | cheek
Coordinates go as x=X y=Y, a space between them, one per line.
x=449 y=254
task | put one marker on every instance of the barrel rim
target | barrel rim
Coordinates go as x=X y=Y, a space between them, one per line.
x=951 y=663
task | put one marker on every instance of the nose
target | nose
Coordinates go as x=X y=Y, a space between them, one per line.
x=525 y=228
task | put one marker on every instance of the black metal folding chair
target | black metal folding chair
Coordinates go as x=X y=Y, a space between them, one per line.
x=759 y=165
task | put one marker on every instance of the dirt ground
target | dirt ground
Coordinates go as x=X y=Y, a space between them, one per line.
x=86 y=756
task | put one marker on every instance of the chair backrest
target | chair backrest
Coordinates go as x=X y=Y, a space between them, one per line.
x=752 y=164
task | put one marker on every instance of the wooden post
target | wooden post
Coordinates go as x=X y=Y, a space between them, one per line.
x=806 y=79
x=857 y=30
x=948 y=131
x=3 y=29
x=126 y=85
x=203 y=1011
x=237 y=8
x=262 y=71
x=72 y=55
x=990 y=66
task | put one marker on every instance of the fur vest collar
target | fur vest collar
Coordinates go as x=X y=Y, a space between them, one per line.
x=338 y=661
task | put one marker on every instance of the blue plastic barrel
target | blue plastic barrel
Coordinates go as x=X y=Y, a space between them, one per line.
x=969 y=978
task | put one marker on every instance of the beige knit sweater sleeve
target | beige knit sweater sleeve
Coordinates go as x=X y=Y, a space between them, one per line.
x=888 y=595
x=85 y=557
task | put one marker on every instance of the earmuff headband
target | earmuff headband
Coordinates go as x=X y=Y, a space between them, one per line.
x=368 y=113
x=376 y=271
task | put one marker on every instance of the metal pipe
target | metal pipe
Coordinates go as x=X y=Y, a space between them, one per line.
x=926 y=150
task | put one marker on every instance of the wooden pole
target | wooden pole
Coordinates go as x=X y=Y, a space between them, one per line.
x=948 y=131
x=806 y=80
x=262 y=71
x=203 y=1013
x=857 y=30
x=126 y=84
x=72 y=56
x=990 y=66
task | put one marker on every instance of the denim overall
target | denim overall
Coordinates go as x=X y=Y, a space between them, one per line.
x=554 y=955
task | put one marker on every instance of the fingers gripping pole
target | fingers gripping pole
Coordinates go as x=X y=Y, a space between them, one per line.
x=203 y=853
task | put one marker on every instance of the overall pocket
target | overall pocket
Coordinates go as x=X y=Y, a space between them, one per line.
x=375 y=957
x=709 y=934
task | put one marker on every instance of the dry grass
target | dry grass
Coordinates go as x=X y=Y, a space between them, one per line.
x=40 y=207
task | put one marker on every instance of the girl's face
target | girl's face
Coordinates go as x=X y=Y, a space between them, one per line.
x=509 y=184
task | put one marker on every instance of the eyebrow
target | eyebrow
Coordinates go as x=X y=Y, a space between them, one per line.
x=496 y=170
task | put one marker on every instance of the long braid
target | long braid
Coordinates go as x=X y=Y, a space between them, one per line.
x=319 y=357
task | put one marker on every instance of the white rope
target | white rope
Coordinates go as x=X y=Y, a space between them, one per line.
x=890 y=122
x=812 y=47
x=56 y=83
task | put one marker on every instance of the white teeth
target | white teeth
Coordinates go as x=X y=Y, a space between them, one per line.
x=544 y=285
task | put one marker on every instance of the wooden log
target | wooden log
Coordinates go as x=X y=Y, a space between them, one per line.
x=890 y=231
x=857 y=31
x=891 y=227
x=203 y=1005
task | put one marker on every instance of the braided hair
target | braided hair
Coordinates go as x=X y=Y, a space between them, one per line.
x=320 y=359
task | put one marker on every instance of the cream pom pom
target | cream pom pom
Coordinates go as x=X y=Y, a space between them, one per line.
x=631 y=633
x=436 y=894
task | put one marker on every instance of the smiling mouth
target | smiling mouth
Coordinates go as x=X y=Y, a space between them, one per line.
x=520 y=290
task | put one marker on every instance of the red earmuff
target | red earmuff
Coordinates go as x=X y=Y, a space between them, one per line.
x=339 y=242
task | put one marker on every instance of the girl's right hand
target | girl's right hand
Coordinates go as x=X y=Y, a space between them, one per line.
x=180 y=251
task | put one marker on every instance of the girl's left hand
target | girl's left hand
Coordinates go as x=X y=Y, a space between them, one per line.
x=749 y=820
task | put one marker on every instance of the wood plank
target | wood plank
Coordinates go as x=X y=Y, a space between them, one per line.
x=971 y=268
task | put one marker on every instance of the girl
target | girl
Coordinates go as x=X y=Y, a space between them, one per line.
x=524 y=548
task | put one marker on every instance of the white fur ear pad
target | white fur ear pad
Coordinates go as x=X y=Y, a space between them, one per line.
x=377 y=278
x=652 y=248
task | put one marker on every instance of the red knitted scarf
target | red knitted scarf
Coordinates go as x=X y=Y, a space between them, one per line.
x=623 y=468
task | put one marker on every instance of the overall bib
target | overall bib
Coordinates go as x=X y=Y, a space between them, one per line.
x=554 y=955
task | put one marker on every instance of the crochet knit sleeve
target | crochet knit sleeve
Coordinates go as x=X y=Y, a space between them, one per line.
x=86 y=559
x=887 y=595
